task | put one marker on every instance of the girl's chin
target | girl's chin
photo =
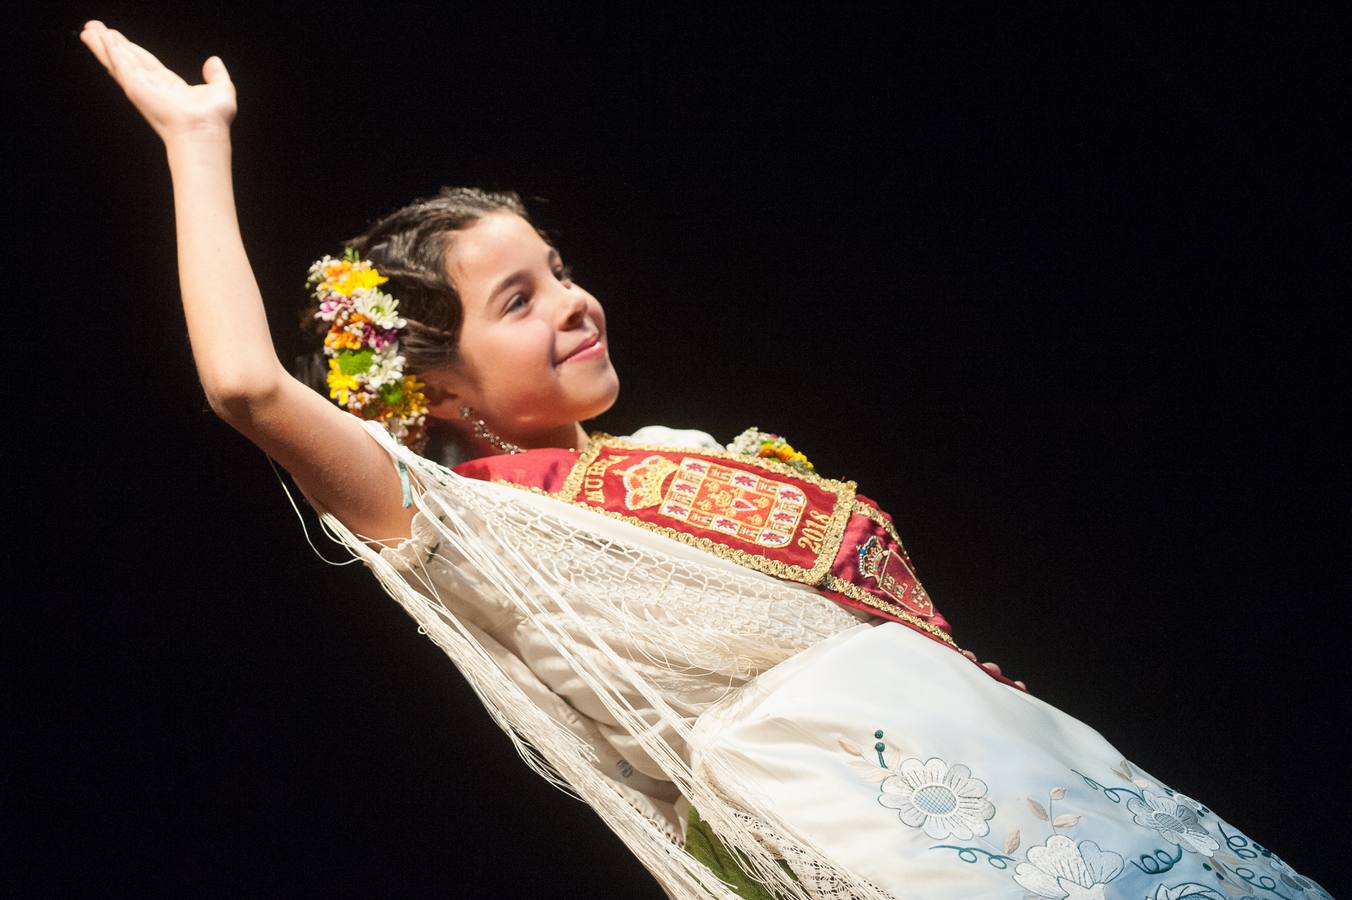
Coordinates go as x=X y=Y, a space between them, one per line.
x=607 y=390
x=597 y=410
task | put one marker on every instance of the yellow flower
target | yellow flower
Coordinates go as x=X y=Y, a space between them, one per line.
x=415 y=401
x=340 y=383
x=345 y=278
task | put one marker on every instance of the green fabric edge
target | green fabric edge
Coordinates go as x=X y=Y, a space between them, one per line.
x=705 y=846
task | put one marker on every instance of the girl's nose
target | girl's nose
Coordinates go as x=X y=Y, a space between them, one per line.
x=572 y=308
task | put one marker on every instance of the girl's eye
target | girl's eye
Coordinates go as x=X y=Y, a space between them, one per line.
x=562 y=273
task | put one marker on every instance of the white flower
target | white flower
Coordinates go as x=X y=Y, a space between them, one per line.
x=748 y=442
x=1063 y=870
x=1190 y=891
x=316 y=273
x=379 y=307
x=1194 y=805
x=1175 y=821
x=945 y=802
x=386 y=368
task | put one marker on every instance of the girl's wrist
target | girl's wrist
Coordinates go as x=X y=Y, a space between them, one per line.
x=213 y=135
x=198 y=150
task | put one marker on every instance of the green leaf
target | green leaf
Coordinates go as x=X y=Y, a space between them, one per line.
x=355 y=362
x=705 y=846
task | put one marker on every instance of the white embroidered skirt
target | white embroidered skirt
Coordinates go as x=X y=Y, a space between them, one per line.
x=904 y=765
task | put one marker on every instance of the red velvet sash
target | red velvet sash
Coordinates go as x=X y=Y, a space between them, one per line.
x=759 y=513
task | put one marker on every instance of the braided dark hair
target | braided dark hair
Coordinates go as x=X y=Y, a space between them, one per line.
x=409 y=247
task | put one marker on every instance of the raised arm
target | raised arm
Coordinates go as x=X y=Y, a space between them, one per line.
x=327 y=450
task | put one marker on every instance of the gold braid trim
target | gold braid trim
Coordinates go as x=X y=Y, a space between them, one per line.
x=573 y=483
x=600 y=440
x=854 y=592
x=876 y=514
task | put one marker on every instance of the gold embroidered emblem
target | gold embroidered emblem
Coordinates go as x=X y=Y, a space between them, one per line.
x=762 y=483
x=714 y=497
x=893 y=576
x=643 y=481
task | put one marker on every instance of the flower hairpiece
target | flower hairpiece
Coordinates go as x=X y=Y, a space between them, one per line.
x=366 y=373
x=765 y=445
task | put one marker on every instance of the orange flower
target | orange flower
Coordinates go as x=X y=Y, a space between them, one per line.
x=343 y=340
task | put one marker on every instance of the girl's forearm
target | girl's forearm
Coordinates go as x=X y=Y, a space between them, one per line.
x=227 y=325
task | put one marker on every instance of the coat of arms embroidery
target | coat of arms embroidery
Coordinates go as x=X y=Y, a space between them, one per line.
x=710 y=496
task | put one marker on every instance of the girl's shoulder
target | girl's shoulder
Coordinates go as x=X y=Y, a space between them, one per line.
x=673 y=437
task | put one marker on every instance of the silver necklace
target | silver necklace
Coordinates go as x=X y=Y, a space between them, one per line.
x=482 y=430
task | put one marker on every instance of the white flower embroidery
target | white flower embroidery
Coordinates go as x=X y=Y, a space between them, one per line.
x=1062 y=870
x=1190 y=891
x=1176 y=822
x=1194 y=805
x=944 y=801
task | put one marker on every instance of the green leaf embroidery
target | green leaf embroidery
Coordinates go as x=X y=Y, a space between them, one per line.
x=705 y=846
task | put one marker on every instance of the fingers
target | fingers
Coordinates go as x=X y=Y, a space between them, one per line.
x=130 y=55
x=113 y=49
x=116 y=53
x=92 y=36
x=143 y=56
x=120 y=56
x=214 y=71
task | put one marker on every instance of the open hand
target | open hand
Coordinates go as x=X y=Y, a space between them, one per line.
x=173 y=107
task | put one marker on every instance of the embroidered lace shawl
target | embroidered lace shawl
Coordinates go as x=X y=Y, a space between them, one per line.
x=641 y=674
x=595 y=645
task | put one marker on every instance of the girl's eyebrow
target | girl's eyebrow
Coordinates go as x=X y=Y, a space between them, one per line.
x=521 y=275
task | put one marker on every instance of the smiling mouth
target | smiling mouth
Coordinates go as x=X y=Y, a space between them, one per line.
x=586 y=349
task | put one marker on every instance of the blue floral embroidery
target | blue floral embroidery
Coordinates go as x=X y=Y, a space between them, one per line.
x=1158 y=862
x=1112 y=793
x=969 y=855
x=1175 y=818
x=944 y=800
x=948 y=801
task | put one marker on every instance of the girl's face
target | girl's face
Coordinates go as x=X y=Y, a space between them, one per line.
x=533 y=347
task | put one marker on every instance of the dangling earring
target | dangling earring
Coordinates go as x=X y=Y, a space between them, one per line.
x=481 y=430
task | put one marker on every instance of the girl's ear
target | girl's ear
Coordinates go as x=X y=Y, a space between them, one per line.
x=443 y=397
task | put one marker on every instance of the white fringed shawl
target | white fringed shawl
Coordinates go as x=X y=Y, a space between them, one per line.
x=635 y=617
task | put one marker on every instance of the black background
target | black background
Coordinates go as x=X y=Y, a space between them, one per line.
x=1062 y=290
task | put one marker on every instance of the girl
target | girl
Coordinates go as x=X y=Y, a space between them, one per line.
x=728 y=656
